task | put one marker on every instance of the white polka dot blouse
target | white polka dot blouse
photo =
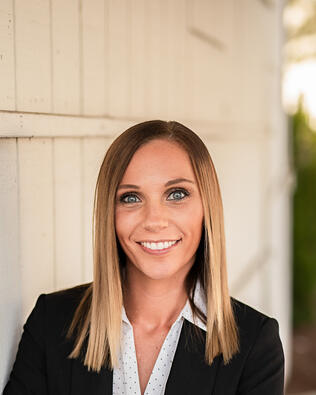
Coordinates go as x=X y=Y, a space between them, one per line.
x=125 y=376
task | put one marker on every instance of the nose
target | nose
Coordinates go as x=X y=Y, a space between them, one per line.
x=155 y=217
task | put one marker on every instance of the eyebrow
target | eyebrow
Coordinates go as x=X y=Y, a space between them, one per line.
x=171 y=182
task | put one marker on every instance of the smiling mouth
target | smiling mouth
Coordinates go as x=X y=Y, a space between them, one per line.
x=159 y=247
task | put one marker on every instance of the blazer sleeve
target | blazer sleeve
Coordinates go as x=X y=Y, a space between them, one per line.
x=28 y=375
x=264 y=369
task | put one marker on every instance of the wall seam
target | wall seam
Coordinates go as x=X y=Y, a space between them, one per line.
x=54 y=215
x=82 y=201
x=51 y=39
x=14 y=55
x=81 y=67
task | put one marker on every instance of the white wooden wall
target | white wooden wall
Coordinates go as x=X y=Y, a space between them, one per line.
x=74 y=74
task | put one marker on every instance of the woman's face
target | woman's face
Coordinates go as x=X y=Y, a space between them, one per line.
x=159 y=213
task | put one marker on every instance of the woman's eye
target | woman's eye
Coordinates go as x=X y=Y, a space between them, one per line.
x=179 y=194
x=129 y=199
x=176 y=195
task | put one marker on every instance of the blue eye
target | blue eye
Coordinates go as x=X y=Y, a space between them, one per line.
x=176 y=195
x=179 y=194
x=129 y=198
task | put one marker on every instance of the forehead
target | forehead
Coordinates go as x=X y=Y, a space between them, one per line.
x=159 y=159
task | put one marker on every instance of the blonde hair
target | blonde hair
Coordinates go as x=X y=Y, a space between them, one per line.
x=97 y=320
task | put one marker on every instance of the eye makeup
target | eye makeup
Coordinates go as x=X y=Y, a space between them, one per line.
x=182 y=190
x=122 y=198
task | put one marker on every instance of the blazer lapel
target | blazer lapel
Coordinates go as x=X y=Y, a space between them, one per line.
x=189 y=373
x=84 y=382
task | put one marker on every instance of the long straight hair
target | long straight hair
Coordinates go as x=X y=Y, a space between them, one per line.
x=97 y=321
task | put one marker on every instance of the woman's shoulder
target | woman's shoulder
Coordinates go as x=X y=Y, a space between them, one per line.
x=247 y=315
x=255 y=326
x=260 y=360
x=66 y=296
x=66 y=299
x=54 y=311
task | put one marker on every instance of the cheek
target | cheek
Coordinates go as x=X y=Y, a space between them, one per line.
x=124 y=223
x=119 y=224
x=191 y=219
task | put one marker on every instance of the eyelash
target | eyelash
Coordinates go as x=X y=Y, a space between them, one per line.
x=184 y=191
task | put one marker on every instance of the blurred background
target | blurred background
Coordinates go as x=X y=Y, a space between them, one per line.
x=299 y=100
x=241 y=73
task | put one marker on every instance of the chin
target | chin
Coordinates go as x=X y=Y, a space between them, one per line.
x=163 y=272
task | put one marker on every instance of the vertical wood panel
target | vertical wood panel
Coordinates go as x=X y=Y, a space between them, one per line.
x=189 y=53
x=66 y=56
x=213 y=72
x=33 y=67
x=166 y=59
x=7 y=64
x=138 y=64
x=214 y=18
x=93 y=153
x=254 y=61
x=153 y=58
x=172 y=60
x=179 y=51
x=118 y=58
x=37 y=219
x=251 y=289
x=94 y=38
x=68 y=212
x=240 y=163
x=10 y=279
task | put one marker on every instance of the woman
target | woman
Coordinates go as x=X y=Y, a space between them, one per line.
x=158 y=318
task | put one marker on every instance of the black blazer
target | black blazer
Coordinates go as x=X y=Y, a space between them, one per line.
x=42 y=368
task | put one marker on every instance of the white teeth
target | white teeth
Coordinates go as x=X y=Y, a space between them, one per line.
x=158 y=246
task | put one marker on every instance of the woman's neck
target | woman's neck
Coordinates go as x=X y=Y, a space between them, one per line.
x=153 y=304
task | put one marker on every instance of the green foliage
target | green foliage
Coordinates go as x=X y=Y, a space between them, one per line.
x=304 y=221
